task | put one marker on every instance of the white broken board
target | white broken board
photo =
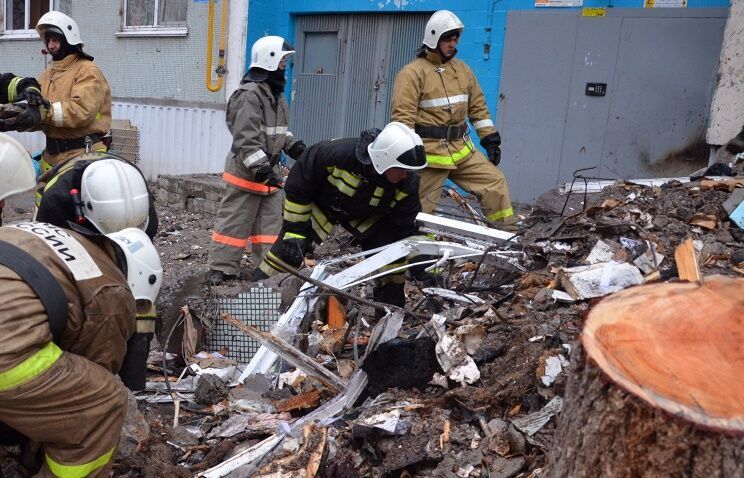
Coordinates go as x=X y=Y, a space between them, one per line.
x=466 y=229
x=532 y=423
x=597 y=280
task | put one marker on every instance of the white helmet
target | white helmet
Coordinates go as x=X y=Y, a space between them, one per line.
x=441 y=22
x=17 y=173
x=268 y=52
x=114 y=196
x=397 y=146
x=62 y=24
x=143 y=270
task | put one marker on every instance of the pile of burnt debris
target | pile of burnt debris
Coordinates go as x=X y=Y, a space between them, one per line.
x=468 y=380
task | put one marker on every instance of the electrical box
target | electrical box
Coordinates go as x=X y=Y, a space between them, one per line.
x=595 y=89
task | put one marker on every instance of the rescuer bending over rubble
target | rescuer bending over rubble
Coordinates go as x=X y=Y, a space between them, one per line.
x=66 y=312
x=364 y=184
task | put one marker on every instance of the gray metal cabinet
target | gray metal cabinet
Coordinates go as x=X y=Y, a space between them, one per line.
x=659 y=69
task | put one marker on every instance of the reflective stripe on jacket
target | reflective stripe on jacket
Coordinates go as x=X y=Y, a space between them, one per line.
x=259 y=123
x=12 y=86
x=428 y=92
x=101 y=309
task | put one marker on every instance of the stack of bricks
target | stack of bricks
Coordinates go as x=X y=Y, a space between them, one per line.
x=199 y=193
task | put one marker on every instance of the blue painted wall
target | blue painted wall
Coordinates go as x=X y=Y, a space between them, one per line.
x=485 y=22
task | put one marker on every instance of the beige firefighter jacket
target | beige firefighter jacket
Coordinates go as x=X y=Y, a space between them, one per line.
x=80 y=100
x=101 y=309
x=428 y=92
x=259 y=125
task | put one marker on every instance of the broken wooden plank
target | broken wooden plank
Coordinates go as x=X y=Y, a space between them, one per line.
x=687 y=263
x=290 y=354
x=706 y=221
x=336 y=313
x=728 y=183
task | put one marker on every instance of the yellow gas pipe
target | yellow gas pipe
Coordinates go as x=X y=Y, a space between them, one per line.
x=220 y=70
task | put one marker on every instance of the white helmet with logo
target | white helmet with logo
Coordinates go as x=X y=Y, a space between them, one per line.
x=441 y=22
x=268 y=52
x=17 y=172
x=114 y=196
x=143 y=269
x=62 y=24
x=397 y=146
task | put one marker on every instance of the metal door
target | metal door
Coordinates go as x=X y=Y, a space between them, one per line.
x=344 y=70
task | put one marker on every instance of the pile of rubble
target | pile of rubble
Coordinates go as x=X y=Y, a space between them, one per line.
x=468 y=379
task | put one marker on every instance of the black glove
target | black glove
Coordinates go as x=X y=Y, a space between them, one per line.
x=293 y=250
x=492 y=143
x=265 y=175
x=33 y=96
x=296 y=150
x=29 y=118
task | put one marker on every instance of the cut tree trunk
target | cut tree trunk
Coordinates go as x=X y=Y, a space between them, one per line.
x=657 y=389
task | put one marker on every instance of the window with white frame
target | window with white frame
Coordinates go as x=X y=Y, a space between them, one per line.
x=153 y=16
x=21 y=16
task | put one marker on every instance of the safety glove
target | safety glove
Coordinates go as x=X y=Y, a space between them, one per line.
x=33 y=96
x=296 y=150
x=27 y=119
x=265 y=175
x=492 y=144
x=293 y=250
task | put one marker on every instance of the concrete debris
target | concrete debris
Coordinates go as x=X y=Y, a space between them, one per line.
x=597 y=280
x=603 y=251
x=390 y=422
x=550 y=368
x=472 y=337
x=210 y=389
x=136 y=430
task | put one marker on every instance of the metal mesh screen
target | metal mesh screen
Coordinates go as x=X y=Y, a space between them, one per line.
x=258 y=307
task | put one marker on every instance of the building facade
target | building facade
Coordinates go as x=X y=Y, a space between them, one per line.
x=533 y=59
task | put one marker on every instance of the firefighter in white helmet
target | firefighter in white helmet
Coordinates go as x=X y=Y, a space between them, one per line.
x=100 y=193
x=368 y=185
x=67 y=308
x=257 y=116
x=79 y=116
x=436 y=94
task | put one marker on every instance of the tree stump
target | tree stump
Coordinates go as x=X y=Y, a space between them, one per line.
x=657 y=386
